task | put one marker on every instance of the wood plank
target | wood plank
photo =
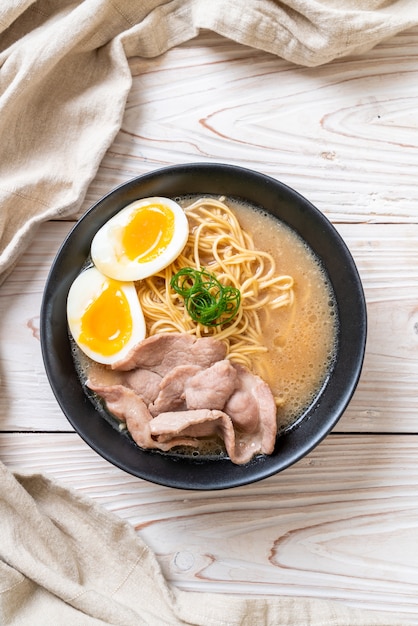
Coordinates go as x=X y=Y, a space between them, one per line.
x=26 y=399
x=386 y=398
x=345 y=134
x=352 y=536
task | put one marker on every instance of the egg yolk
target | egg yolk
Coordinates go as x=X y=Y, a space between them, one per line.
x=106 y=324
x=148 y=233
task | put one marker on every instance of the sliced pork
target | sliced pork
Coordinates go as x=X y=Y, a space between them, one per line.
x=171 y=395
x=192 y=424
x=128 y=407
x=161 y=353
x=211 y=387
x=144 y=382
x=252 y=408
x=203 y=423
x=176 y=390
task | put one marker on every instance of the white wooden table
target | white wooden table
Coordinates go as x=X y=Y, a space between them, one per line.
x=343 y=522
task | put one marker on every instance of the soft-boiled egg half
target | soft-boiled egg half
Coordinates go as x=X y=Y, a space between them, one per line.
x=104 y=316
x=141 y=239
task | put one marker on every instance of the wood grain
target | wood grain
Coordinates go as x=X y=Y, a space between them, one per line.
x=350 y=535
x=344 y=134
x=386 y=399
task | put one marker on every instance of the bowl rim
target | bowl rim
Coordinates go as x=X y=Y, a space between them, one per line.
x=188 y=472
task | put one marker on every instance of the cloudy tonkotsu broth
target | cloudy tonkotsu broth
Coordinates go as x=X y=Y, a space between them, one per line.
x=301 y=340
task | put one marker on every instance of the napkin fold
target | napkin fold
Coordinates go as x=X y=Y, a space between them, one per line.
x=64 y=79
x=65 y=561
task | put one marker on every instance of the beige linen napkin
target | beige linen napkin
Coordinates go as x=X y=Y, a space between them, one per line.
x=64 y=79
x=64 y=561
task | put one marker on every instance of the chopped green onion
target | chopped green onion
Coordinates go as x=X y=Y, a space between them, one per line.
x=207 y=301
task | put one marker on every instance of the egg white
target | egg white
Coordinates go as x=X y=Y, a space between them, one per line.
x=84 y=290
x=108 y=253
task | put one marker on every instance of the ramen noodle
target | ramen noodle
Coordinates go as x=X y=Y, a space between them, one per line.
x=218 y=244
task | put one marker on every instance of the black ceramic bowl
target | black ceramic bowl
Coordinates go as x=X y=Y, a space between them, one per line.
x=322 y=415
